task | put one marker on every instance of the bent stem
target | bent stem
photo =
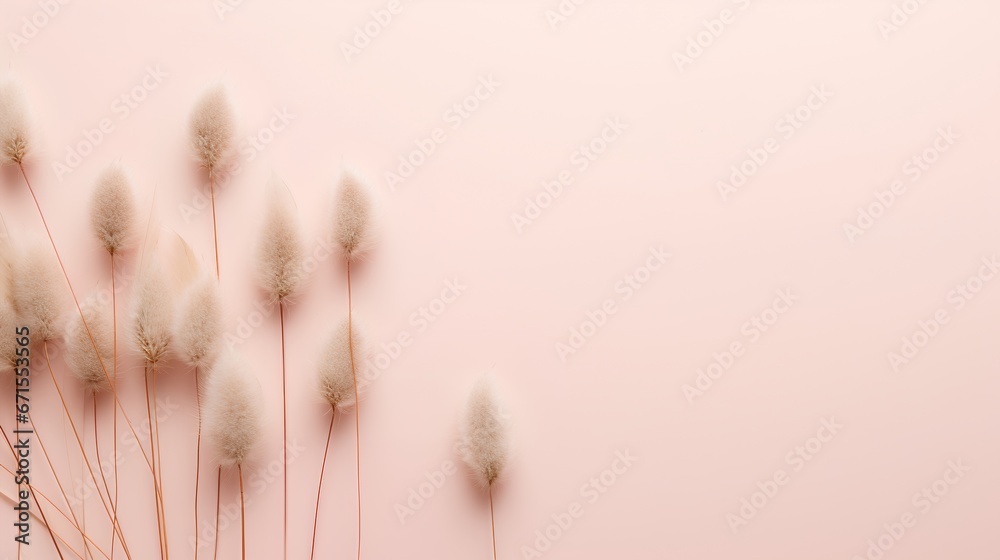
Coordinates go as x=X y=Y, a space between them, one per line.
x=83 y=453
x=319 y=487
x=357 y=404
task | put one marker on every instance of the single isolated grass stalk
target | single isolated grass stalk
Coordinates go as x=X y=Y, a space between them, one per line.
x=280 y=254
x=352 y=231
x=211 y=129
x=233 y=420
x=336 y=386
x=485 y=443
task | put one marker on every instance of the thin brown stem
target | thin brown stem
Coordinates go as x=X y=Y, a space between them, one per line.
x=152 y=451
x=243 y=516
x=83 y=453
x=284 y=434
x=493 y=527
x=159 y=469
x=114 y=389
x=357 y=403
x=218 y=501
x=100 y=467
x=215 y=227
x=48 y=460
x=197 y=464
x=319 y=487
x=79 y=310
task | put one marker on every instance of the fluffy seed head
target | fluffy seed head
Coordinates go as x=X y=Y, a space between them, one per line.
x=153 y=313
x=484 y=434
x=233 y=410
x=336 y=376
x=8 y=343
x=280 y=251
x=212 y=126
x=112 y=209
x=353 y=214
x=38 y=292
x=198 y=332
x=89 y=366
x=14 y=123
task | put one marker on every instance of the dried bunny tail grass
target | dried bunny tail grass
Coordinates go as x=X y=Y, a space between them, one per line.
x=83 y=360
x=484 y=433
x=153 y=320
x=212 y=126
x=15 y=134
x=336 y=374
x=37 y=293
x=198 y=331
x=113 y=210
x=353 y=214
x=233 y=410
x=280 y=251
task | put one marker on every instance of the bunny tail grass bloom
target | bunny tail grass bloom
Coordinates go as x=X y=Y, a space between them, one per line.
x=37 y=291
x=112 y=209
x=484 y=440
x=8 y=342
x=80 y=354
x=211 y=127
x=353 y=215
x=152 y=325
x=280 y=251
x=233 y=417
x=279 y=267
x=15 y=137
x=336 y=387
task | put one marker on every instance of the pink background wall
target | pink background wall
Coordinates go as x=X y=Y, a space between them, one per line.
x=885 y=95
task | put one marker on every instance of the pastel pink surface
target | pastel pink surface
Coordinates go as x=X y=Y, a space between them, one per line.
x=311 y=107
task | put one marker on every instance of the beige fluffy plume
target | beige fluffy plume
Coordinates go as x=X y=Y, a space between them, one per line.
x=153 y=319
x=15 y=140
x=484 y=433
x=112 y=209
x=198 y=331
x=336 y=377
x=38 y=292
x=8 y=342
x=353 y=214
x=233 y=410
x=211 y=127
x=80 y=354
x=280 y=250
